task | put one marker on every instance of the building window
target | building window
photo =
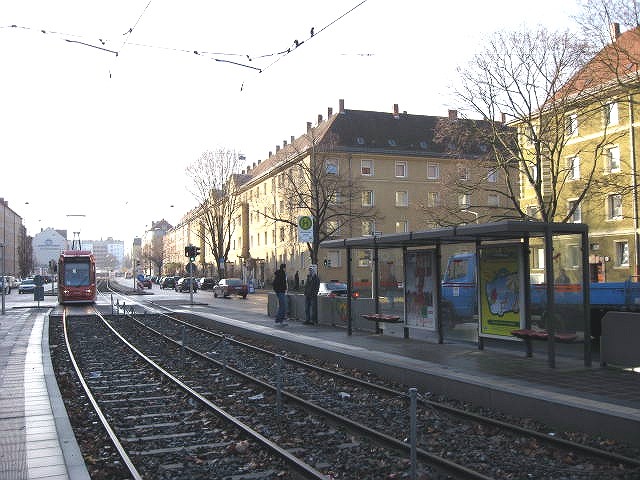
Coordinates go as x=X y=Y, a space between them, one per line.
x=622 y=254
x=537 y=254
x=402 y=199
x=433 y=171
x=614 y=207
x=368 y=227
x=573 y=164
x=573 y=256
x=366 y=168
x=265 y=238
x=611 y=113
x=572 y=125
x=492 y=175
x=367 y=198
x=464 y=200
x=336 y=198
x=333 y=259
x=402 y=226
x=463 y=174
x=576 y=217
x=282 y=234
x=433 y=199
x=332 y=167
x=364 y=258
x=401 y=169
x=612 y=155
x=493 y=200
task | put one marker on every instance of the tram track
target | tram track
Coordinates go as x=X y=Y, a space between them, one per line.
x=160 y=425
x=385 y=409
x=569 y=460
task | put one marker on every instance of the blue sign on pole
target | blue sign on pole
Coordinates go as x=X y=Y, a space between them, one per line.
x=140 y=277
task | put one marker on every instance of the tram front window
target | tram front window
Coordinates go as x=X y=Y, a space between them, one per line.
x=76 y=274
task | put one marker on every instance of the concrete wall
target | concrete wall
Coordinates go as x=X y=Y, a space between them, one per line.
x=331 y=311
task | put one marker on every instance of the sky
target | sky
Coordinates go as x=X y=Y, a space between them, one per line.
x=95 y=142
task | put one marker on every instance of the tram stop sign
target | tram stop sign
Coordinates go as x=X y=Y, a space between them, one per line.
x=38 y=280
x=191 y=268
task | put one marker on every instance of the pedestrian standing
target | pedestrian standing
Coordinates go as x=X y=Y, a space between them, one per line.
x=296 y=281
x=280 y=287
x=311 y=286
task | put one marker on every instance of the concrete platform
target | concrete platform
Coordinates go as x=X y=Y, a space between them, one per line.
x=36 y=440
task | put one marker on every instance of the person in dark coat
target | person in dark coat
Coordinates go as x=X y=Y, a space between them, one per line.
x=311 y=286
x=280 y=287
x=296 y=281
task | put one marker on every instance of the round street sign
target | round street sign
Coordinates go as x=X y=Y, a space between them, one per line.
x=305 y=222
x=38 y=280
x=191 y=268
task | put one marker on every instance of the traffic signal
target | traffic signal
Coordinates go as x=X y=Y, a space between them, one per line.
x=196 y=253
x=187 y=250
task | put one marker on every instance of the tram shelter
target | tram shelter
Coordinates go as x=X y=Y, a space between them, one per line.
x=516 y=260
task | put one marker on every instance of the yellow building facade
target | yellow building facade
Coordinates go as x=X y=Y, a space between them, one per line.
x=595 y=177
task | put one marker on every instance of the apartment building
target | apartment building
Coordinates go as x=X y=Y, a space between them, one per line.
x=397 y=176
x=596 y=177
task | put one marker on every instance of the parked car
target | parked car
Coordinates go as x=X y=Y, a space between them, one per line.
x=168 y=282
x=230 y=286
x=27 y=286
x=145 y=282
x=206 y=283
x=335 y=288
x=183 y=285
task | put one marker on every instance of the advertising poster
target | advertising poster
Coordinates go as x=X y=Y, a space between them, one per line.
x=500 y=296
x=419 y=290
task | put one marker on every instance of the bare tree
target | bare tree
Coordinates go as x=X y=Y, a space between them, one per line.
x=152 y=253
x=534 y=80
x=218 y=201
x=312 y=182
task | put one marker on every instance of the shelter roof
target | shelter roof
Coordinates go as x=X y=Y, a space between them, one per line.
x=494 y=231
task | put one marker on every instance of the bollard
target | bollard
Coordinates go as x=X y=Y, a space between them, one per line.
x=279 y=363
x=412 y=430
x=112 y=304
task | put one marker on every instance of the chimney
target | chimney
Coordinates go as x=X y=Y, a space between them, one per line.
x=614 y=31
x=396 y=111
x=284 y=143
x=319 y=119
x=259 y=162
x=453 y=114
x=242 y=172
x=292 y=139
x=329 y=112
x=254 y=165
x=341 y=105
x=308 y=127
x=270 y=153
x=277 y=148
x=503 y=117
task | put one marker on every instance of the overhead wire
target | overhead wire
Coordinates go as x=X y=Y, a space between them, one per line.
x=85 y=41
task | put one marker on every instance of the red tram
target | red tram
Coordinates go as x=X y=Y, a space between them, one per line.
x=76 y=277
